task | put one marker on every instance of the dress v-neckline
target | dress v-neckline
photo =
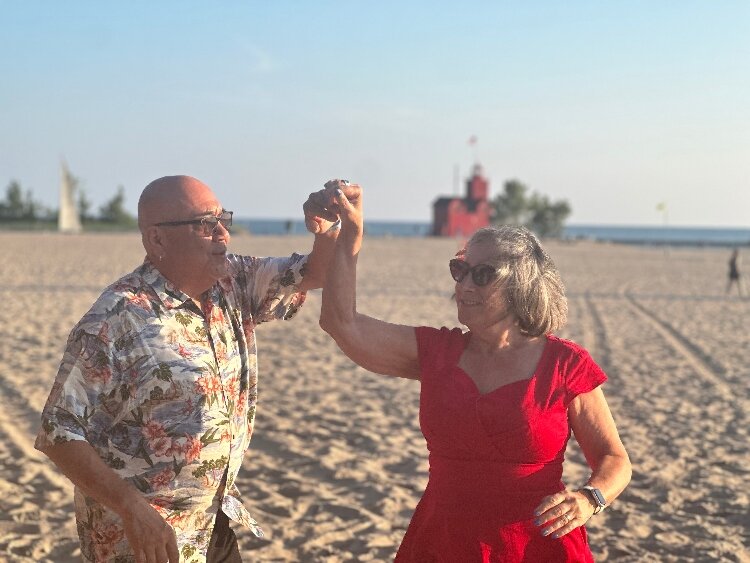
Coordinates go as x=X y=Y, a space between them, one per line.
x=466 y=339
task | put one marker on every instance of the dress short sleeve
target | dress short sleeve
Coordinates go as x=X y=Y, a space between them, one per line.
x=584 y=375
x=437 y=348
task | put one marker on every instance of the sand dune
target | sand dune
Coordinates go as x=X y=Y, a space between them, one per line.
x=337 y=462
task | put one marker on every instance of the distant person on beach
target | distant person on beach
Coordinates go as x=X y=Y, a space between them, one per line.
x=497 y=403
x=734 y=272
x=154 y=403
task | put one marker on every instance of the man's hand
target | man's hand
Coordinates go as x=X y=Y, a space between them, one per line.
x=321 y=210
x=150 y=537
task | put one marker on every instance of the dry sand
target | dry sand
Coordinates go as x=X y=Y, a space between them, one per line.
x=337 y=462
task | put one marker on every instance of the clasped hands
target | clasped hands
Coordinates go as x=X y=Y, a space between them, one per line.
x=322 y=209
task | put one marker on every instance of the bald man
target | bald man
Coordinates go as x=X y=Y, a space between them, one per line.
x=154 y=402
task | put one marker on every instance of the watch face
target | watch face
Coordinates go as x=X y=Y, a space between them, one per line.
x=598 y=496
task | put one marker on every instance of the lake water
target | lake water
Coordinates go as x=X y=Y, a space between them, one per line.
x=702 y=236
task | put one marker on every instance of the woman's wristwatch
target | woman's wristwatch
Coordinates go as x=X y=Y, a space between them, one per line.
x=595 y=495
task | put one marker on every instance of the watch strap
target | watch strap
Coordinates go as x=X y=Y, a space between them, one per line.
x=597 y=496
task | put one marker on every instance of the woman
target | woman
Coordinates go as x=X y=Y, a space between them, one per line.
x=497 y=403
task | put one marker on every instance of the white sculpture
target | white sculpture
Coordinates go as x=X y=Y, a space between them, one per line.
x=68 y=220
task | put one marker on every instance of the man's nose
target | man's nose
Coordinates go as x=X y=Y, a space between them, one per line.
x=220 y=231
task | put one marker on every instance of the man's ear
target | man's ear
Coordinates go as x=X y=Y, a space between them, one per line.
x=154 y=242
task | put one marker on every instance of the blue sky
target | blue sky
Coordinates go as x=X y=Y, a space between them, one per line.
x=614 y=106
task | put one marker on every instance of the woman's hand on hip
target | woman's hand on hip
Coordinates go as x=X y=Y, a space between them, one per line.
x=563 y=512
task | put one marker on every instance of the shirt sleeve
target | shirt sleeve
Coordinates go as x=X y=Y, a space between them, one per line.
x=270 y=285
x=584 y=375
x=85 y=394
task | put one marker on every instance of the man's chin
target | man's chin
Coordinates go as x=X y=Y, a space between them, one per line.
x=219 y=266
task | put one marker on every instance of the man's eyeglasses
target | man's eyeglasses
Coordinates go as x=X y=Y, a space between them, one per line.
x=208 y=224
x=481 y=274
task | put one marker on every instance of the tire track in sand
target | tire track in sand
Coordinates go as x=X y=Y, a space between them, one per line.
x=704 y=365
x=693 y=439
x=17 y=422
x=695 y=425
x=36 y=500
x=595 y=334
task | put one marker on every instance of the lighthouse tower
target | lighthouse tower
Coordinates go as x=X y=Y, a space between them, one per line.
x=460 y=217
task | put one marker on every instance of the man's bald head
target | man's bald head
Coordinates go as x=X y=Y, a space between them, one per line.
x=184 y=253
x=173 y=198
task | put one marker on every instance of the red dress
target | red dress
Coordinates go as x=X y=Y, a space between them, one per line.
x=493 y=456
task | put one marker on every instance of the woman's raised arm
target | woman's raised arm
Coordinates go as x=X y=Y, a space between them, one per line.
x=377 y=346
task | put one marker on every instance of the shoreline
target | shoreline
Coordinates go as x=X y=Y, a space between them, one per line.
x=689 y=244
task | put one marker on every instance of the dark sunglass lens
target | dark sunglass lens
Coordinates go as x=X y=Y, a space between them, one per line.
x=209 y=225
x=482 y=274
x=226 y=220
x=458 y=268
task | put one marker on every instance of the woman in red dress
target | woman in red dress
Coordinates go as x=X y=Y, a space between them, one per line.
x=497 y=403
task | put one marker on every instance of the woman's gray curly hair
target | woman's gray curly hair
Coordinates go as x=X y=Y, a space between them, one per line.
x=527 y=274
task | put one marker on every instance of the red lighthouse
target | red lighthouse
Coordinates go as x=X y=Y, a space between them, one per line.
x=461 y=216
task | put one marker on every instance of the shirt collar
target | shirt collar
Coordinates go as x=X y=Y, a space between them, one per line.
x=169 y=295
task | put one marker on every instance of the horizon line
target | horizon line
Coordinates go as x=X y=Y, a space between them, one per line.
x=572 y=224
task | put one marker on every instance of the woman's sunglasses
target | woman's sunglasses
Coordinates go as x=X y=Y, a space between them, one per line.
x=481 y=274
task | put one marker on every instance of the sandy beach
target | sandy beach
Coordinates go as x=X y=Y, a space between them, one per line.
x=337 y=463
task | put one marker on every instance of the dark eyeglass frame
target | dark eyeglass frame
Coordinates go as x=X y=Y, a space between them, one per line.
x=481 y=274
x=208 y=224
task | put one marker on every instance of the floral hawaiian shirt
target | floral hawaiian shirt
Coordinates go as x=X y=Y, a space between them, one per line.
x=165 y=391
